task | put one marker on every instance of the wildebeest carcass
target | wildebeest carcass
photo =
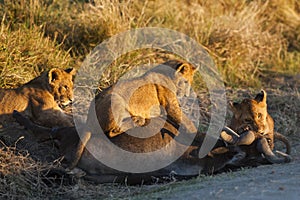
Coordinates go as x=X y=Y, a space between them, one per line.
x=75 y=150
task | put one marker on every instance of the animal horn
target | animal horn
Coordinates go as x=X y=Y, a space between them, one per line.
x=264 y=148
x=230 y=131
x=283 y=139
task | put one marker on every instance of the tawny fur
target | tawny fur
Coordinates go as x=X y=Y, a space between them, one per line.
x=133 y=102
x=40 y=99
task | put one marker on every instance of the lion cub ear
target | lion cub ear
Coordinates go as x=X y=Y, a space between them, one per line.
x=53 y=75
x=71 y=71
x=185 y=68
x=233 y=106
x=261 y=97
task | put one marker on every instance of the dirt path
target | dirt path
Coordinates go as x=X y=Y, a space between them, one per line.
x=264 y=182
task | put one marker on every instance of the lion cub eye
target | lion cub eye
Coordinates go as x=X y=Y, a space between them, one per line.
x=259 y=115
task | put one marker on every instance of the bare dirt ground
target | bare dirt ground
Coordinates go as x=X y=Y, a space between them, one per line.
x=264 y=182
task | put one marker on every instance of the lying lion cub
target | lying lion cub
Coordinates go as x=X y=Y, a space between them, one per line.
x=133 y=102
x=255 y=126
x=40 y=98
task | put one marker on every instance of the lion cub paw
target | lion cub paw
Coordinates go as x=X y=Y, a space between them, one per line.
x=138 y=121
x=114 y=132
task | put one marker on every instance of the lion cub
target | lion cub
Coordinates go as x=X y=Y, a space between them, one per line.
x=134 y=102
x=253 y=123
x=40 y=98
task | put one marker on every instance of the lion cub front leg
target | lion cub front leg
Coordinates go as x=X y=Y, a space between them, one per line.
x=127 y=124
x=118 y=129
x=54 y=118
x=121 y=119
x=50 y=116
x=175 y=115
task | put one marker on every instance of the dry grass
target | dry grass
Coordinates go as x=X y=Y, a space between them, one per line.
x=25 y=53
x=249 y=40
x=21 y=176
x=246 y=38
x=26 y=174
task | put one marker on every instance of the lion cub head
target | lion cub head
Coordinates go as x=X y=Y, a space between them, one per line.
x=61 y=85
x=251 y=114
x=182 y=76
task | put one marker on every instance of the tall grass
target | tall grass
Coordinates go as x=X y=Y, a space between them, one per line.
x=25 y=53
x=246 y=38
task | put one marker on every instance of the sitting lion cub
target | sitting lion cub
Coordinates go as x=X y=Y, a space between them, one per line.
x=40 y=98
x=134 y=102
